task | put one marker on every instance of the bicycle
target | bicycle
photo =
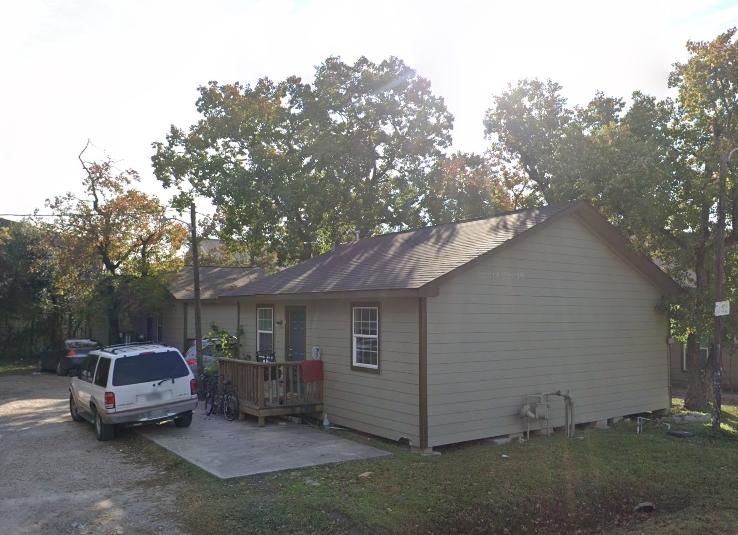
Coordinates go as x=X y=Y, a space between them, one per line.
x=220 y=399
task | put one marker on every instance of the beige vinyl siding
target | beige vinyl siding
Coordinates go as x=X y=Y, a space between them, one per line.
x=224 y=314
x=173 y=324
x=383 y=404
x=558 y=311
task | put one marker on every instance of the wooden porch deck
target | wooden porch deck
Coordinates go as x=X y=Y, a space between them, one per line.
x=271 y=388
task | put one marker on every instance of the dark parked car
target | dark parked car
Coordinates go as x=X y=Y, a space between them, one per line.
x=66 y=355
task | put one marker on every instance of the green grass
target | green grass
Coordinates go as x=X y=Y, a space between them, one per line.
x=549 y=485
x=13 y=366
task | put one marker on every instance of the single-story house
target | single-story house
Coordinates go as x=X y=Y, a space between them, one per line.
x=438 y=335
x=178 y=318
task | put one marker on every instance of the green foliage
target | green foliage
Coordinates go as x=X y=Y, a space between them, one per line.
x=296 y=168
x=549 y=485
x=467 y=186
x=27 y=278
x=228 y=344
x=113 y=248
x=526 y=125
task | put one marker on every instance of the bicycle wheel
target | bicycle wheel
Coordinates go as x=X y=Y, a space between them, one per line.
x=209 y=402
x=230 y=406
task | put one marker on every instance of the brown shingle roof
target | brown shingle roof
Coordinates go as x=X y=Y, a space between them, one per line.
x=402 y=260
x=214 y=281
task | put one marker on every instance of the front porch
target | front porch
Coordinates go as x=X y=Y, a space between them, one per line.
x=272 y=388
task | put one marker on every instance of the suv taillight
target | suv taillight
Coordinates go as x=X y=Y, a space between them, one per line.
x=193 y=387
x=109 y=400
x=71 y=353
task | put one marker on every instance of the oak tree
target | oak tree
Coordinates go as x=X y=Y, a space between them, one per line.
x=114 y=245
x=296 y=168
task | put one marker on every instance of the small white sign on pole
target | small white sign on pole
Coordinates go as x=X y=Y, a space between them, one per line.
x=722 y=308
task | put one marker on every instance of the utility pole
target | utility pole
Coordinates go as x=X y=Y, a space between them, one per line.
x=721 y=308
x=717 y=360
x=198 y=320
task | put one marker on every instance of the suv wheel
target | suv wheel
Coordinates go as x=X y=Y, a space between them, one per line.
x=103 y=431
x=184 y=421
x=73 y=410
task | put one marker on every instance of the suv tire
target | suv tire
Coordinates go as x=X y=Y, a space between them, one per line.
x=184 y=421
x=73 y=410
x=103 y=431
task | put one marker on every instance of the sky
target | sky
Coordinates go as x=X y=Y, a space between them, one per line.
x=119 y=73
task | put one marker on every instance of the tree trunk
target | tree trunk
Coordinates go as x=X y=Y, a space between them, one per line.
x=113 y=309
x=113 y=327
x=698 y=375
x=698 y=378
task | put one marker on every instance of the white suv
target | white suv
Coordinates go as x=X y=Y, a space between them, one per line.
x=132 y=384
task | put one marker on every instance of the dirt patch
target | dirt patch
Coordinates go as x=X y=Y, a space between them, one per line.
x=59 y=480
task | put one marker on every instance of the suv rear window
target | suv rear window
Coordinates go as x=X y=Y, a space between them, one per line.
x=149 y=367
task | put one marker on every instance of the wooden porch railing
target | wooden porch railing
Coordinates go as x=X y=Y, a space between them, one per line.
x=271 y=388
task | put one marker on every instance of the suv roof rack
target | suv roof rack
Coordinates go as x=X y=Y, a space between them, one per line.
x=118 y=348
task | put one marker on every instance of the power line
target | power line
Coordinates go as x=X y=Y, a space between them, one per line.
x=80 y=214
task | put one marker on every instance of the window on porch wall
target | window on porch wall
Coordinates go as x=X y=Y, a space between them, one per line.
x=264 y=329
x=366 y=337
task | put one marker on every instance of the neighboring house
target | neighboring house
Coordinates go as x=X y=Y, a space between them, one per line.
x=678 y=363
x=678 y=351
x=438 y=334
x=178 y=320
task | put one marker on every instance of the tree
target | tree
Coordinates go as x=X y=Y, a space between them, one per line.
x=114 y=245
x=466 y=186
x=27 y=277
x=296 y=168
x=708 y=98
x=527 y=125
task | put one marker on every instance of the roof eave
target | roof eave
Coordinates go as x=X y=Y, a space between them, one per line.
x=350 y=294
x=432 y=288
x=598 y=224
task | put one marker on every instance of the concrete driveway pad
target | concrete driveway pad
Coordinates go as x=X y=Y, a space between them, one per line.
x=242 y=448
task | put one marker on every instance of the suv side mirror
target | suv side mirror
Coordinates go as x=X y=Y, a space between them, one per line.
x=74 y=372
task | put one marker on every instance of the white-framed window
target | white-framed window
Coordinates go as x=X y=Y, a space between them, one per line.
x=365 y=336
x=265 y=329
x=703 y=354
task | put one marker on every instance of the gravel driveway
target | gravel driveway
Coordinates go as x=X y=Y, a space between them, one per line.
x=58 y=480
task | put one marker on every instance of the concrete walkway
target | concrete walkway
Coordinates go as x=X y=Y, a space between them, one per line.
x=242 y=448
